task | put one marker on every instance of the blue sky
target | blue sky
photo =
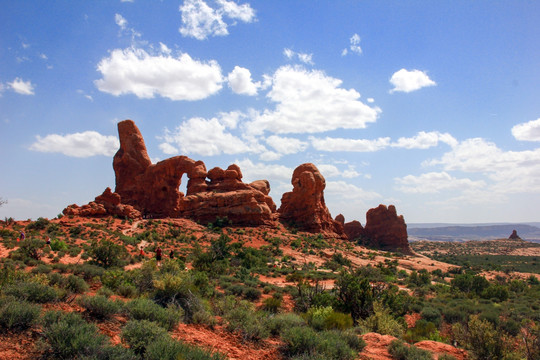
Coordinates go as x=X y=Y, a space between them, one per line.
x=431 y=106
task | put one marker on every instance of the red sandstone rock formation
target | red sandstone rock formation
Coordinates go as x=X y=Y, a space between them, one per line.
x=108 y=203
x=304 y=206
x=354 y=230
x=386 y=230
x=153 y=189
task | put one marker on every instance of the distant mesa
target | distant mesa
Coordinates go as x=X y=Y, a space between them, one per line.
x=146 y=190
x=514 y=236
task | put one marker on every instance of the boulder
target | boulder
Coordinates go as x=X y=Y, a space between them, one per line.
x=304 y=207
x=106 y=204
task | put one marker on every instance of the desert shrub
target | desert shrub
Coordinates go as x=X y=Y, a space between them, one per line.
x=432 y=315
x=39 y=224
x=495 y=291
x=481 y=338
x=146 y=309
x=18 y=315
x=278 y=323
x=453 y=315
x=31 y=248
x=70 y=337
x=203 y=317
x=382 y=322
x=33 y=292
x=113 y=278
x=58 y=245
x=446 y=357
x=127 y=290
x=401 y=351
x=42 y=269
x=251 y=325
x=107 y=254
x=76 y=284
x=168 y=349
x=99 y=306
x=252 y=293
x=88 y=271
x=422 y=330
x=304 y=342
x=271 y=305
x=178 y=290
x=138 y=334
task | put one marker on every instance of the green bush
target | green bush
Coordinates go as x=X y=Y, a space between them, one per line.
x=168 y=349
x=304 y=342
x=18 y=315
x=107 y=254
x=146 y=309
x=88 y=271
x=39 y=224
x=250 y=324
x=382 y=322
x=58 y=245
x=31 y=248
x=99 y=307
x=271 y=305
x=278 y=323
x=33 y=292
x=432 y=315
x=139 y=334
x=401 y=351
x=76 y=284
x=127 y=290
x=70 y=337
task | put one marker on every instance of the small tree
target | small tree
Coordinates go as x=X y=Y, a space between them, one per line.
x=107 y=254
x=2 y=202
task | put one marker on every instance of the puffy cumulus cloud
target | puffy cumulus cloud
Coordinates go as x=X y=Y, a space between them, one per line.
x=22 y=87
x=529 y=131
x=168 y=149
x=342 y=189
x=425 y=140
x=410 y=80
x=435 y=182
x=240 y=81
x=328 y=171
x=256 y=171
x=310 y=102
x=208 y=137
x=134 y=71
x=509 y=171
x=85 y=144
x=354 y=45
x=357 y=145
x=303 y=57
x=286 y=145
x=199 y=20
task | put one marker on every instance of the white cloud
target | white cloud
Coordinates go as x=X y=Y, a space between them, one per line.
x=329 y=170
x=510 y=171
x=164 y=49
x=207 y=137
x=303 y=57
x=425 y=140
x=85 y=144
x=529 y=131
x=407 y=81
x=135 y=71
x=286 y=145
x=358 y=145
x=435 y=182
x=311 y=102
x=354 y=45
x=168 y=149
x=199 y=20
x=370 y=100
x=346 y=191
x=257 y=171
x=240 y=81
x=120 y=21
x=22 y=87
